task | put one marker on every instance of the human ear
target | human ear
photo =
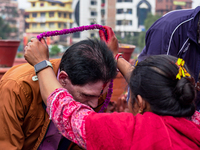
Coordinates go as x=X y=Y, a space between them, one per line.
x=62 y=78
x=141 y=104
x=144 y=106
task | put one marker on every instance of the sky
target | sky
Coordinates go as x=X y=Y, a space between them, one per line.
x=24 y=4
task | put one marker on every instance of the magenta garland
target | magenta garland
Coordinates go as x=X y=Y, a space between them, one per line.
x=79 y=29
x=72 y=30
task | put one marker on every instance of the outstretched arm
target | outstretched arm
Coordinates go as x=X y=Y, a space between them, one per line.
x=36 y=52
x=124 y=66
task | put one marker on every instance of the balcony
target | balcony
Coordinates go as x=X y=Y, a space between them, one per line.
x=40 y=30
x=43 y=20
x=50 y=8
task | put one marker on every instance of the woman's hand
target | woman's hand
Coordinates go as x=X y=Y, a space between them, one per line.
x=110 y=39
x=36 y=51
x=124 y=66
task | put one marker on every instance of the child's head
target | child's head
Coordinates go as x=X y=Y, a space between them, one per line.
x=155 y=80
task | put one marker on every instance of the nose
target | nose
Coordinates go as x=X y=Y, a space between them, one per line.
x=93 y=102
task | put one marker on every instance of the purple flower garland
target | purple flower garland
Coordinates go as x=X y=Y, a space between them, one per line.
x=79 y=29
x=72 y=30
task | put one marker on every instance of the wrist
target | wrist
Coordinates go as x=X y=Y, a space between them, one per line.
x=117 y=56
x=42 y=65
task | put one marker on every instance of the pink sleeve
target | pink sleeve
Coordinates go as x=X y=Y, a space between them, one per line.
x=68 y=115
x=196 y=118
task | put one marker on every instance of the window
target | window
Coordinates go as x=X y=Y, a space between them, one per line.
x=93 y=2
x=70 y=16
x=27 y=16
x=62 y=5
x=129 y=22
x=119 y=0
x=65 y=15
x=129 y=11
x=53 y=4
x=120 y=11
x=41 y=4
x=26 y=25
x=65 y=26
x=103 y=12
x=42 y=25
x=76 y=35
x=42 y=15
x=33 y=4
x=34 y=25
x=93 y=13
x=51 y=25
x=59 y=14
x=51 y=14
x=103 y=22
x=119 y=22
x=92 y=35
x=59 y=25
x=34 y=15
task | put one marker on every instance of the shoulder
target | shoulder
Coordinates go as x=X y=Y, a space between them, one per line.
x=175 y=19
x=109 y=130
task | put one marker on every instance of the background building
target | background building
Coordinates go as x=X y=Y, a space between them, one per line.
x=126 y=16
x=86 y=12
x=164 y=6
x=47 y=15
x=10 y=14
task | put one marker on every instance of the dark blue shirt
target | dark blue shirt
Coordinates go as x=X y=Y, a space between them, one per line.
x=176 y=34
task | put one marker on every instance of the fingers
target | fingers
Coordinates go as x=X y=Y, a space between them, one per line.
x=109 y=31
x=44 y=42
x=34 y=39
x=102 y=35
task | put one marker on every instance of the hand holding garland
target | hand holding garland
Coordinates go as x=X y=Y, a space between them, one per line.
x=110 y=39
x=34 y=53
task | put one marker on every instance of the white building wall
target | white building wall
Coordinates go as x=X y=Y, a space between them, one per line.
x=133 y=17
x=85 y=17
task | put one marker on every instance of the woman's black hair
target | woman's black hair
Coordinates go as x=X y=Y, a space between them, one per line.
x=155 y=80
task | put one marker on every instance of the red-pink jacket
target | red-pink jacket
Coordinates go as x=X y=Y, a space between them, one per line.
x=123 y=131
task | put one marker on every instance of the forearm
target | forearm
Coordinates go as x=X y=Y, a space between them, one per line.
x=125 y=68
x=47 y=82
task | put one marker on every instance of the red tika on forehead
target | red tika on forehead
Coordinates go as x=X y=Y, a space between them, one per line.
x=104 y=85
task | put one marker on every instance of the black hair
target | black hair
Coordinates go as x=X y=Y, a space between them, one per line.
x=88 y=61
x=155 y=80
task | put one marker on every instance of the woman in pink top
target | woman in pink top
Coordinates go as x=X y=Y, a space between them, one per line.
x=161 y=105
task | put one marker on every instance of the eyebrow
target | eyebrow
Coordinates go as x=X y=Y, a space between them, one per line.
x=88 y=95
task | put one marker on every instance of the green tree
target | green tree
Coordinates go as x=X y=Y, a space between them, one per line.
x=128 y=39
x=5 y=29
x=148 y=22
x=54 y=50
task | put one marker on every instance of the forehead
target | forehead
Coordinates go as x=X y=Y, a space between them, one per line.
x=90 y=88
